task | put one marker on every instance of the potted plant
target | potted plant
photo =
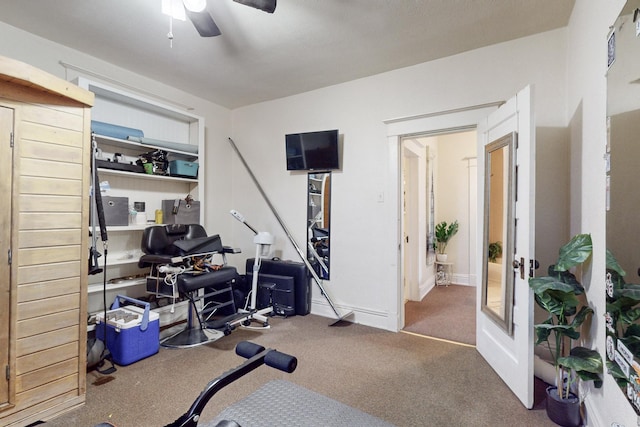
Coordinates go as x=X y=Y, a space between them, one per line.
x=444 y=233
x=495 y=251
x=559 y=294
x=623 y=329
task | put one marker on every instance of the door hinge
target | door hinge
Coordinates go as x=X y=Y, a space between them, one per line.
x=8 y=373
x=11 y=139
x=9 y=256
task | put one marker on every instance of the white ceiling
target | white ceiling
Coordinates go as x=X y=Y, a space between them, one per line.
x=304 y=45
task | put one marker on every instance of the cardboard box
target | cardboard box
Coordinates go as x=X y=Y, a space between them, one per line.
x=132 y=333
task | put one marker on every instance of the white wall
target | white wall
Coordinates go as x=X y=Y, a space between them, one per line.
x=586 y=108
x=364 y=264
x=452 y=199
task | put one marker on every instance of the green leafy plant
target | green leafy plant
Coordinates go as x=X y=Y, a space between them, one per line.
x=495 y=251
x=623 y=313
x=559 y=295
x=444 y=233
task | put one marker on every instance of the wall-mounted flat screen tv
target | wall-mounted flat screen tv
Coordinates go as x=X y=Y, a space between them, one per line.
x=312 y=150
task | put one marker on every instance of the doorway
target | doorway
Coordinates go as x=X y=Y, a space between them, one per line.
x=451 y=121
x=439 y=183
x=509 y=355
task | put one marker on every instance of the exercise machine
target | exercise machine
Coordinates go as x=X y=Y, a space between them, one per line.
x=256 y=356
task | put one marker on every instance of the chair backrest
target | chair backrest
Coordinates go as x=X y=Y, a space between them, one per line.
x=158 y=239
x=198 y=245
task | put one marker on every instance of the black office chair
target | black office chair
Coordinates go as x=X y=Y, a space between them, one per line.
x=181 y=260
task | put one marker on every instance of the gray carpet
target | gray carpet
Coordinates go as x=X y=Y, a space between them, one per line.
x=446 y=312
x=403 y=379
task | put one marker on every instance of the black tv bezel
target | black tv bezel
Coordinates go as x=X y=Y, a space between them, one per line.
x=336 y=144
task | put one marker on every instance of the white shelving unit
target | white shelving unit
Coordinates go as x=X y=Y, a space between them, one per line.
x=158 y=121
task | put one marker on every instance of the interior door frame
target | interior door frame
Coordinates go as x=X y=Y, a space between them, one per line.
x=449 y=121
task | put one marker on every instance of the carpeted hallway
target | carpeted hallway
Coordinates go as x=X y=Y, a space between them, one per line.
x=446 y=312
x=401 y=378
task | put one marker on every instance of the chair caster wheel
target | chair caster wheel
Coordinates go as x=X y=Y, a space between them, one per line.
x=246 y=322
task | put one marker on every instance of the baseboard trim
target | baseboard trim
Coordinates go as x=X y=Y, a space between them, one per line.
x=365 y=316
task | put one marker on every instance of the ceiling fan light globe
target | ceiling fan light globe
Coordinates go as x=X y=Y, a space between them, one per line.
x=195 y=5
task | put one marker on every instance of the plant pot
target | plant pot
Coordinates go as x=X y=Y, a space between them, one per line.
x=564 y=412
x=441 y=257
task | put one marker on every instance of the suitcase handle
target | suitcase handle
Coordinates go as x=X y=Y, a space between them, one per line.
x=146 y=305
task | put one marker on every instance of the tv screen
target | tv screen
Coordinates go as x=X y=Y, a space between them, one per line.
x=312 y=150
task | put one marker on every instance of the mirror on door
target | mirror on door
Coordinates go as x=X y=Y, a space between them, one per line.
x=318 y=222
x=623 y=198
x=498 y=272
x=623 y=110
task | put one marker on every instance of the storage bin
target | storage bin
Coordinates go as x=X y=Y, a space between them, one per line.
x=132 y=332
x=185 y=213
x=183 y=168
x=116 y=210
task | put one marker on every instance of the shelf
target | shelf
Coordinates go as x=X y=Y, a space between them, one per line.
x=182 y=132
x=126 y=228
x=132 y=227
x=97 y=287
x=113 y=172
x=125 y=143
x=123 y=259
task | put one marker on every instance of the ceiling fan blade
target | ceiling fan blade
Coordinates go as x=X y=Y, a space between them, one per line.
x=265 y=5
x=204 y=23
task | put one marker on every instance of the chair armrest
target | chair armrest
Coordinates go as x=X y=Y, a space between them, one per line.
x=149 y=259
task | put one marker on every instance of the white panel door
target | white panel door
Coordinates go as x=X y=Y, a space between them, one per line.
x=511 y=355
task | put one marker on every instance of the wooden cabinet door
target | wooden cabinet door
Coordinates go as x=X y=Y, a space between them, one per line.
x=6 y=172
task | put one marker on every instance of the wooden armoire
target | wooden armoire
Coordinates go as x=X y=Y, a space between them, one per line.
x=45 y=147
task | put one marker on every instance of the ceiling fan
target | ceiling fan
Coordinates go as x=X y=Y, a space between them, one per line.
x=197 y=12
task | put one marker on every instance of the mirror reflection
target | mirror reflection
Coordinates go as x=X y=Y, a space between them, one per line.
x=318 y=222
x=497 y=277
x=623 y=109
x=623 y=199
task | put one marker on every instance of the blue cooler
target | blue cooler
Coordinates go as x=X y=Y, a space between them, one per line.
x=133 y=333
